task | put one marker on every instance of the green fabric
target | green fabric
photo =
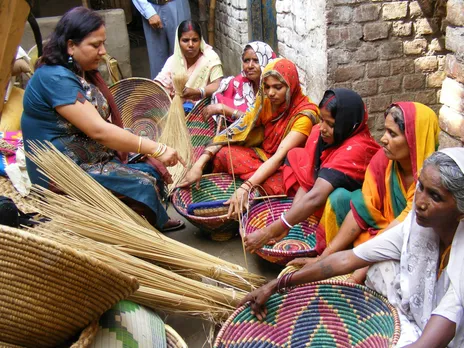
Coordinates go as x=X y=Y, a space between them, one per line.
x=399 y=200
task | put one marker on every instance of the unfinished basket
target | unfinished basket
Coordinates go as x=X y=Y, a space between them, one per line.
x=201 y=131
x=50 y=292
x=142 y=104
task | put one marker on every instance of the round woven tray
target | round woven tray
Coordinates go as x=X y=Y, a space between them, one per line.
x=50 y=292
x=329 y=314
x=201 y=131
x=213 y=187
x=173 y=339
x=142 y=104
x=300 y=241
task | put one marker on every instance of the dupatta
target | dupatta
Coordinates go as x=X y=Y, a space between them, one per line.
x=383 y=197
x=274 y=126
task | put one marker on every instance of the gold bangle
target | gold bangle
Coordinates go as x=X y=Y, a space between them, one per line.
x=140 y=145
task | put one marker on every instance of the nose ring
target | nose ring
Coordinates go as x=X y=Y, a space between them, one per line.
x=423 y=206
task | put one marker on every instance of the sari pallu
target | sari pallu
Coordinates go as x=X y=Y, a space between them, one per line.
x=260 y=130
x=384 y=197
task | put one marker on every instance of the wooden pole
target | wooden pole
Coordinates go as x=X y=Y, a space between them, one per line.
x=212 y=17
x=203 y=18
x=13 y=16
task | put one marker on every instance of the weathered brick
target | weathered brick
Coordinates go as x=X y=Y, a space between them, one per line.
x=333 y=37
x=354 y=72
x=376 y=31
x=378 y=69
x=451 y=121
x=445 y=140
x=441 y=62
x=402 y=29
x=340 y=15
x=379 y=103
x=395 y=10
x=367 y=52
x=437 y=45
x=454 y=68
x=339 y=56
x=428 y=63
x=365 y=13
x=391 y=49
x=347 y=85
x=390 y=84
x=455 y=40
x=416 y=46
x=415 y=10
x=402 y=66
x=411 y=96
x=365 y=88
x=416 y=81
x=453 y=94
x=434 y=80
x=344 y=34
x=425 y=26
x=455 y=12
x=346 y=2
x=427 y=97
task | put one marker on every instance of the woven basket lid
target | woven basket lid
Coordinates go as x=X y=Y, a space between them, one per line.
x=142 y=104
x=323 y=314
x=300 y=240
x=50 y=292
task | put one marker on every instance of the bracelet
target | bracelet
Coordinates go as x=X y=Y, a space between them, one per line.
x=249 y=184
x=282 y=217
x=283 y=282
x=284 y=225
x=140 y=145
x=202 y=92
x=160 y=150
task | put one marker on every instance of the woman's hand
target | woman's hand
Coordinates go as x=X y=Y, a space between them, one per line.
x=303 y=261
x=237 y=203
x=170 y=158
x=211 y=110
x=193 y=175
x=191 y=93
x=257 y=239
x=258 y=299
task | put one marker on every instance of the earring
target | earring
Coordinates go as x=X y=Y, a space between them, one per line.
x=70 y=62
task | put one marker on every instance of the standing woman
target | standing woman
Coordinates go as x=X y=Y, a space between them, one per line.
x=236 y=94
x=195 y=58
x=280 y=120
x=67 y=103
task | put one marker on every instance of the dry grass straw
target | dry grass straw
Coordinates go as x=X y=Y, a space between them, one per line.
x=160 y=289
x=175 y=133
x=92 y=211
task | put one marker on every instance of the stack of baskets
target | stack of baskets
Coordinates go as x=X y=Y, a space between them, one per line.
x=323 y=314
x=300 y=241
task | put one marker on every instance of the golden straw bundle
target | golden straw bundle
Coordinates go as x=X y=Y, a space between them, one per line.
x=94 y=212
x=175 y=133
x=160 y=289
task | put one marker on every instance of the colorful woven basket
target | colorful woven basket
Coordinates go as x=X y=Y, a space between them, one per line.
x=201 y=131
x=290 y=269
x=300 y=241
x=329 y=314
x=142 y=104
x=213 y=187
x=50 y=292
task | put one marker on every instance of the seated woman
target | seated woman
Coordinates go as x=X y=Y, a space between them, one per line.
x=195 y=58
x=335 y=156
x=67 y=103
x=422 y=256
x=411 y=135
x=236 y=94
x=280 y=120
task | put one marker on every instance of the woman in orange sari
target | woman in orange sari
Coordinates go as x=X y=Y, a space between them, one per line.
x=281 y=119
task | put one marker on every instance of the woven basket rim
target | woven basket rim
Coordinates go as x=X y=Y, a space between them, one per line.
x=180 y=343
x=397 y=326
x=140 y=79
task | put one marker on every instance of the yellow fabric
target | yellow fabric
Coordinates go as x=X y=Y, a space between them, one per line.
x=303 y=125
x=10 y=119
x=216 y=73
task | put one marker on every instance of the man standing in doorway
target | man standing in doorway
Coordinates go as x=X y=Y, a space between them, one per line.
x=160 y=20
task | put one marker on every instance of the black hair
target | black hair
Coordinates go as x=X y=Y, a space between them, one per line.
x=398 y=116
x=329 y=102
x=75 y=25
x=188 y=25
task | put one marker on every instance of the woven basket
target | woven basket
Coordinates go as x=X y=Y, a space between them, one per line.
x=201 y=131
x=329 y=314
x=291 y=269
x=142 y=104
x=300 y=241
x=50 y=292
x=213 y=187
x=173 y=339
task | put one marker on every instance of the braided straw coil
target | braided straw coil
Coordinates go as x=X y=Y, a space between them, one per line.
x=50 y=292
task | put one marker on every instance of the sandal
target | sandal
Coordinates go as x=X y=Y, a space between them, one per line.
x=172 y=225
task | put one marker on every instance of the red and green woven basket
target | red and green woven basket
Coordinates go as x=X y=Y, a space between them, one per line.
x=201 y=131
x=300 y=241
x=322 y=314
x=213 y=187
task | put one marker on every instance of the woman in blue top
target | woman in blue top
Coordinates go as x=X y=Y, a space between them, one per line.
x=67 y=103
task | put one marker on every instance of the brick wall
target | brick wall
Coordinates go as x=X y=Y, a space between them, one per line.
x=387 y=51
x=452 y=94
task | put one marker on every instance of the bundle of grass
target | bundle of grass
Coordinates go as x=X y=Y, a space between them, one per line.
x=175 y=133
x=160 y=289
